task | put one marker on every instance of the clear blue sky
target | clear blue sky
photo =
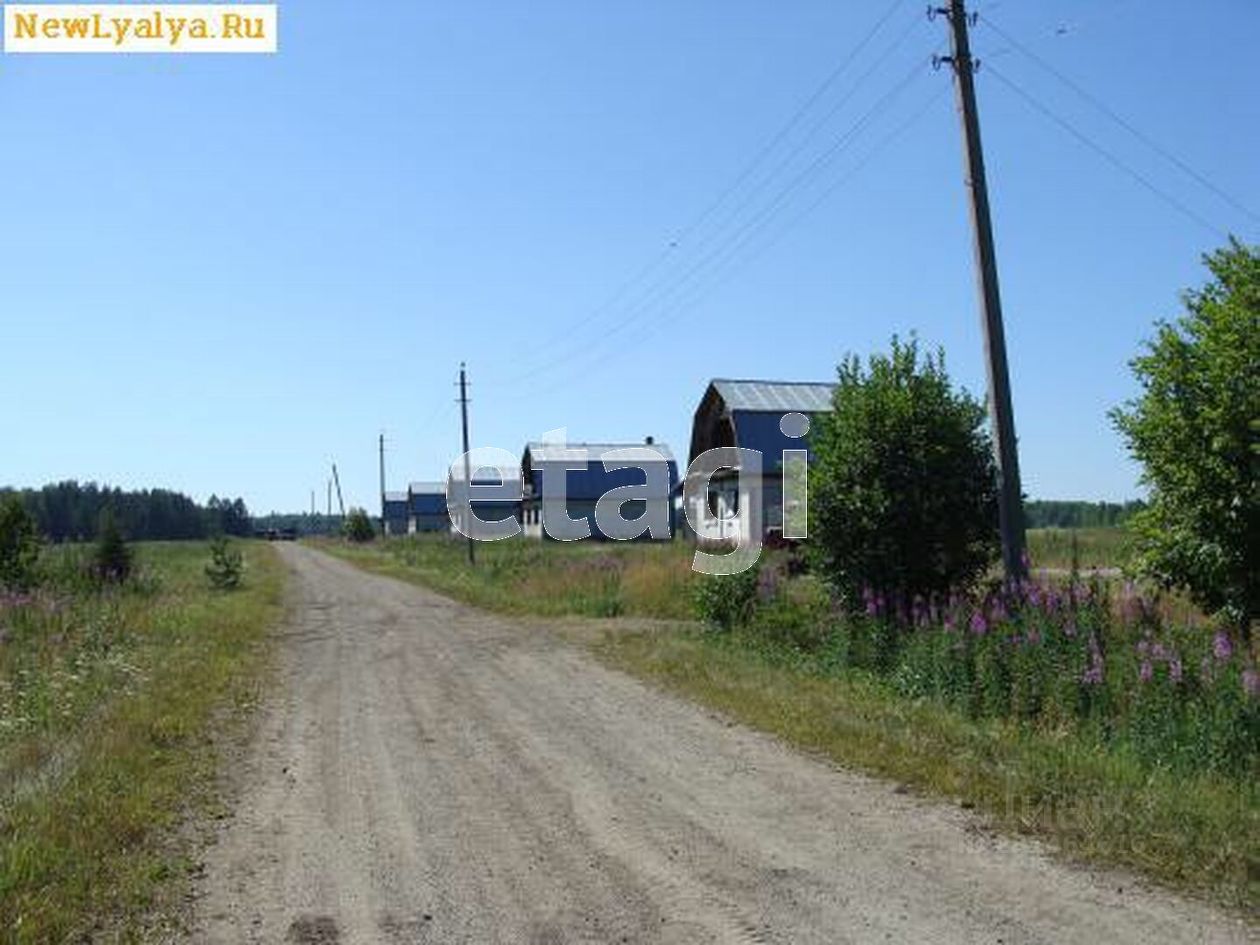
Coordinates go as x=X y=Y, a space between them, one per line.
x=222 y=272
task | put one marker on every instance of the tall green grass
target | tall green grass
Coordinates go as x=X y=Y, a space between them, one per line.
x=109 y=703
x=523 y=576
x=1102 y=547
x=1192 y=831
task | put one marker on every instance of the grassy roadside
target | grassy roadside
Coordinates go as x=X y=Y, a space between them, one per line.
x=1096 y=802
x=530 y=578
x=111 y=704
x=1099 y=806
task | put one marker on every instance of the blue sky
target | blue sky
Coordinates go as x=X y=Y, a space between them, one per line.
x=220 y=273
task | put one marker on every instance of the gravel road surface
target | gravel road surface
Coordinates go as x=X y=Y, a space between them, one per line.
x=427 y=773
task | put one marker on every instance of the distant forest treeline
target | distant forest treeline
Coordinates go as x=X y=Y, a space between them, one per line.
x=1049 y=513
x=1038 y=514
x=71 y=511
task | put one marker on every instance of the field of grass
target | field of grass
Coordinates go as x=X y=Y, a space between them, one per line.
x=1096 y=797
x=526 y=577
x=1095 y=547
x=111 y=704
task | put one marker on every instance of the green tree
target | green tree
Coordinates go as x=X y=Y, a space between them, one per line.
x=903 y=495
x=226 y=567
x=1195 y=428
x=358 y=526
x=19 y=545
x=112 y=556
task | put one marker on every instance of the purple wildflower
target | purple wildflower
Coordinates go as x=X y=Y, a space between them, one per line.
x=1145 y=671
x=979 y=626
x=1174 y=669
x=1221 y=647
x=1251 y=683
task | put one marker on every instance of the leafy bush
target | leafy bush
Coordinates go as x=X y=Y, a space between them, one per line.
x=358 y=527
x=226 y=567
x=112 y=560
x=903 y=491
x=1194 y=430
x=19 y=546
x=726 y=601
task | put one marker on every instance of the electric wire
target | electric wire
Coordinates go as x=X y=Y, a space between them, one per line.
x=1106 y=155
x=721 y=276
x=749 y=170
x=741 y=236
x=1120 y=120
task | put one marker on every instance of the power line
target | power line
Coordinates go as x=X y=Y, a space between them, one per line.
x=1124 y=123
x=750 y=168
x=721 y=275
x=749 y=227
x=1102 y=152
x=780 y=168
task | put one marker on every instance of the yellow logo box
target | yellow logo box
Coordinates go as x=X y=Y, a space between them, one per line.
x=140 y=28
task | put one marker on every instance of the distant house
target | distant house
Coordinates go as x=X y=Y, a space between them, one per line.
x=750 y=414
x=395 y=513
x=426 y=508
x=586 y=479
x=498 y=497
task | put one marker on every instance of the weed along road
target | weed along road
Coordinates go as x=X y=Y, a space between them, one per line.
x=424 y=772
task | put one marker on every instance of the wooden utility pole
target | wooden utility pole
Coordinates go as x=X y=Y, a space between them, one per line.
x=1001 y=414
x=463 y=408
x=341 y=503
x=382 y=483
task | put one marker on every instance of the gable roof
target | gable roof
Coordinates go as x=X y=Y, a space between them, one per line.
x=594 y=452
x=427 y=488
x=774 y=396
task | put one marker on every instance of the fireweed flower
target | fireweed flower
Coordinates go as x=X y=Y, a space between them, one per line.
x=979 y=626
x=1145 y=671
x=1221 y=647
x=1251 y=683
x=1174 y=669
x=1093 y=676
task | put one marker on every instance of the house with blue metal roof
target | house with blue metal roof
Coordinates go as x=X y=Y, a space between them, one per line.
x=426 y=508
x=394 y=512
x=761 y=415
x=571 y=478
x=496 y=499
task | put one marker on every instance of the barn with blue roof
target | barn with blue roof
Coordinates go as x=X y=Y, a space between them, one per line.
x=750 y=414
x=581 y=467
x=426 y=508
x=394 y=513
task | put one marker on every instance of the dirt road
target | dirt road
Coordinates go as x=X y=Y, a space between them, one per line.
x=430 y=774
